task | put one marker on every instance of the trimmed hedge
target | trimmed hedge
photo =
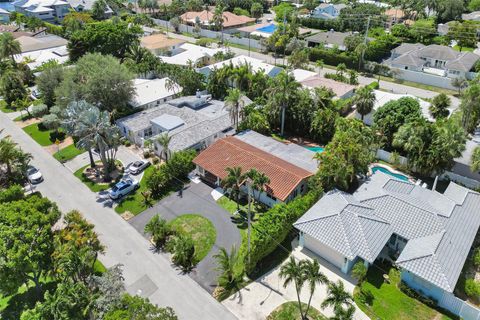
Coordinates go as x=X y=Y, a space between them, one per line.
x=332 y=57
x=274 y=225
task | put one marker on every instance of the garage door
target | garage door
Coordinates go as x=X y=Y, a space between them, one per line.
x=325 y=252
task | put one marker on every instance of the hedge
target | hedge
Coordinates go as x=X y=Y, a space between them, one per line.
x=332 y=57
x=274 y=225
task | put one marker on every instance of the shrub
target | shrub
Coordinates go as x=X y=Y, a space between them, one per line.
x=472 y=289
x=127 y=143
x=476 y=257
x=180 y=164
x=13 y=193
x=204 y=42
x=416 y=295
x=156 y=180
x=184 y=252
x=366 y=296
x=374 y=85
x=146 y=154
x=159 y=231
x=39 y=110
x=359 y=271
x=155 y=160
x=274 y=225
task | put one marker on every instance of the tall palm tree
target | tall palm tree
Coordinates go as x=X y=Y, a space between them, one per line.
x=231 y=271
x=292 y=272
x=312 y=276
x=337 y=297
x=344 y=313
x=12 y=157
x=283 y=88
x=158 y=229
x=9 y=47
x=259 y=181
x=242 y=76
x=234 y=103
x=364 y=100
x=319 y=64
x=164 y=141
x=218 y=18
x=233 y=182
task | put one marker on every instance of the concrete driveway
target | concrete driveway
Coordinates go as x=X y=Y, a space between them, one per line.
x=260 y=298
x=196 y=199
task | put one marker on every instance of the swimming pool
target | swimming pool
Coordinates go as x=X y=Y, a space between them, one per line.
x=268 y=28
x=393 y=174
x=315 y=149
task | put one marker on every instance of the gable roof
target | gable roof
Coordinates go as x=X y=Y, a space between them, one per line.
x=233 y=152
x=440 y=228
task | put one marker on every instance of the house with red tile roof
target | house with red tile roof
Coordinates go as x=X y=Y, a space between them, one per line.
x=230 y=20
x=288 y=166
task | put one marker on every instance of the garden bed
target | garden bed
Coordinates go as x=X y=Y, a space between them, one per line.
x=92 y=177
x=289 y=311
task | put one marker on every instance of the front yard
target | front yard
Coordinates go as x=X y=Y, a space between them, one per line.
x=389 y=302
x=95 y=187
x=67 y=153
x=43 y=136
x=289 y=311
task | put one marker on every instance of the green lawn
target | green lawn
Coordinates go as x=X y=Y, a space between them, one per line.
x=42 y=136
x=4 y=108
x=134 y=201
x=418 y=85
x=67 y=153
x=200 y=229
x=95 y=187
x=464 y=49
x=391 y=303
x=99 y=268
x=289 y=311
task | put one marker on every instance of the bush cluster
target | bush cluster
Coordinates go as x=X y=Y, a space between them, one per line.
x=333 y=57
x=416 y=295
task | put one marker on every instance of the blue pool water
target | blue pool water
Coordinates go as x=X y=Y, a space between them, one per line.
x=315 y=149
x=393 y=174
x=268 y=29
x=7 y=6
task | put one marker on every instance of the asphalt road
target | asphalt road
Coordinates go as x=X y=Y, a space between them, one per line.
x=146 y=274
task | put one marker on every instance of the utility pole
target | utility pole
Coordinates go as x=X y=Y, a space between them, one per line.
x=364 y=43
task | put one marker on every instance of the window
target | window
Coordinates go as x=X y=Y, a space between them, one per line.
x=271 y=197
x=147 y=133
x=302 y=188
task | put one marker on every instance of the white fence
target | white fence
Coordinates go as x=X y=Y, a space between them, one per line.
x=459 y=307
x=469 y=183
x=387 y=156
x=213 y=34
x=425 y=78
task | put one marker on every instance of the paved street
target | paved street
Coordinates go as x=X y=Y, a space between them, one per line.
x=147 y=274
x=196 y=199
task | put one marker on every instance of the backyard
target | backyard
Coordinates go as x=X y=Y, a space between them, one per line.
x=388 y=302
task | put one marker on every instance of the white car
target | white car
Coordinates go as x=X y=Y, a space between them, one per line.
x=122 y=188
x=34 y=175
x=137 y=167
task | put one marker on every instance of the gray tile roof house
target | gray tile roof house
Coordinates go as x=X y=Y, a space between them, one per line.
x=329 y=39
x=431 y=232
x=192 y=122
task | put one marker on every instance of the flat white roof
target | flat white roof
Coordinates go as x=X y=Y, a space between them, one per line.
x=300 y=74
x=38 y=57
x=147 y=91
x=191 y=53
x=256 y=64
x=168 y=122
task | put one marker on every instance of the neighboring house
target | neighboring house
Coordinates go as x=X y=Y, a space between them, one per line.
x=87 y=5
x=160 y=44
x=4 y=16
x=188 y=53
x=433 y=59
x=39 y=57
x=257 y=65
x=327 y=11
x=428 y=235
x=462 y=164
x=329 y=39
x=192 y=122
x=395 y=16
x=472 y=16
x=383 y=97
x=47 y=10
x=288 y=166
x=152 y=93
x=42 y=41
x=230 y=20
x=313 y=80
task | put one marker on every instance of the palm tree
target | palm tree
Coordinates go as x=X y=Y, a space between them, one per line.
x=218 y=18
x=312 y=276
x=337 y=297
x=344 y=314
x=164 y=141
x=319 y=64
x=293 y=272
x=259 y=181
x=475 y=160
x=341 y=69
x=234 y=103
x=9 y=47
x=233 y=182
x=13 y=158
x=231 y=271
x=439 y=107
x=159 y=230
x=364 y=100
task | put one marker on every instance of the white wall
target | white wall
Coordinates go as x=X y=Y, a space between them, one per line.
x=425 y=78
x=325 y=252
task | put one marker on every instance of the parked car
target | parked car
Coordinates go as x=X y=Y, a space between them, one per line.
x=137 y=166
x=122 y=188
x=34 y=175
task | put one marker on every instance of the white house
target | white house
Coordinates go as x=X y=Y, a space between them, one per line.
x=327 y=11
x=188 y=53
x=152 y=93
x=256 y=65
x=87 y=5
x=428 y=235
x=47 y=10
x=39 y=57
x=310 y=79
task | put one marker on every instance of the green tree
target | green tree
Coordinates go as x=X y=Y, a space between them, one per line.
x=218 y=19
x=460 y=83
x=255 y=120
x=312 y=276
x=359 y=271
x=475 y=160
x=99 y=80
x=259 y=182
x=337 y=297
x=232 y=183
x=157 y=180
x=164 y=142
x=12 y=87
x=439 y=107
x=423 y=30
x=135 y=307
x=464 y=33
x=298 y=58
x=47 y=82
x=9 y=46
x=323 y=124
x=159 y=230
x=256 y=10
x=140 y=61
x=26 y=226
x=470 y=107
x=98 y=9
x=234 y=103
x=105 y=37
x=184 y=252
x=319 y=64
x=13 y=162
x=231 y=271
x=474 y=5
x=449 y=10
x=175 y=23
x=292 y=272
x=364 y=100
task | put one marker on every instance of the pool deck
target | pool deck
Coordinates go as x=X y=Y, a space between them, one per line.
x=389 y=168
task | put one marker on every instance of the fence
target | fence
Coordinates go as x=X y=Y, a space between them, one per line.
x=425 y=78
x=213 y=34
x=459 y=307
x=387 y=157
x=468 y=182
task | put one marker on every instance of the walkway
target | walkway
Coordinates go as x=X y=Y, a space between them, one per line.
x=196 y=199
